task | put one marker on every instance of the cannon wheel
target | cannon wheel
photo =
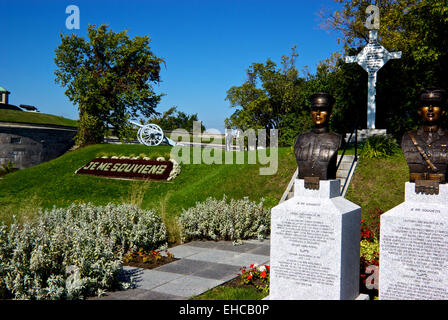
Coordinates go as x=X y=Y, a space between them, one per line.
x=150 y=135
x=138 y=135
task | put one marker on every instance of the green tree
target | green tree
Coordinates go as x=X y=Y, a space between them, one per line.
x=418 y=28
x=173 y=119
x=269 y=97
x=267 y=94
x=110 y=77
x=332 y=75
x=281 y=99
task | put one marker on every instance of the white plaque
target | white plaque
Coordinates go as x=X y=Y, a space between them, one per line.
x=414 y=248
x=315 y=246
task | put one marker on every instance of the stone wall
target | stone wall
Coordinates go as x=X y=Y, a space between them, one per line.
x=27 y=145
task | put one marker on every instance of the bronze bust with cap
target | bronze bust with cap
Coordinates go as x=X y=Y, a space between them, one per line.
x=426 y=149
x=316 y=151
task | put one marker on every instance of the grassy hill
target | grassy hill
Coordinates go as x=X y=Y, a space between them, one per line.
x=35 y=117
x=378 y=184
x=54 y=183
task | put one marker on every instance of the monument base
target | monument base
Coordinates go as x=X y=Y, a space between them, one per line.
x=362 y=297
x=414 y=247
x=315 y=243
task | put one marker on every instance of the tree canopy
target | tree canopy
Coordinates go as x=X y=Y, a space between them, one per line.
x=418 y=28
x=270 y=98
x=110 y=77
x=277 y=97
x=173 y=119
x=268 y=93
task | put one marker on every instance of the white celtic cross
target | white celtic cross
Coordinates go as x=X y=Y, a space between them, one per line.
x=372 y=58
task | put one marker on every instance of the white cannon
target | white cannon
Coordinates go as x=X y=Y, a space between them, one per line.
x=151 y=135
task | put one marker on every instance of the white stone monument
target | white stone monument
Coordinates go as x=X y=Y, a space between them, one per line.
x=372 y=58
x=414 y=247
x=315 y=243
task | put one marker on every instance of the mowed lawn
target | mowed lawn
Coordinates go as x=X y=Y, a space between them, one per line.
x=378 y=184
x=54 y=183
x=35 y=117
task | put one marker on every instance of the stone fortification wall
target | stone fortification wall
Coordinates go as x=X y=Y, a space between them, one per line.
x=27 y=145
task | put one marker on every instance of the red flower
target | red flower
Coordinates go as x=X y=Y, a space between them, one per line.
x=263 y=275
x=249 y=276
x=251 y=266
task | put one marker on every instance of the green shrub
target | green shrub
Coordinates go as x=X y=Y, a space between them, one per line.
x=379 y=147
x=90 y=130
x=7 y=168
x=291 y=126
x=74 y=252
x=222 y=220
x=369 y=250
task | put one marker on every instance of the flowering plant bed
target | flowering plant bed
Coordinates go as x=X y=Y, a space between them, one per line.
x=251 y=284
x=131 y=168
x=147 y=260
x=255 y=276
x=369 y=261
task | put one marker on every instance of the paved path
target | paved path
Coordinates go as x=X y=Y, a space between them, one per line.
x=203 y=265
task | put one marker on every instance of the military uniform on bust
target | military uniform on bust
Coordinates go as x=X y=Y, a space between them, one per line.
x=426 y=149
x=316 y=151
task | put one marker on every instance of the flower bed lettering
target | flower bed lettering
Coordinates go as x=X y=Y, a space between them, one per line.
x=130 y=169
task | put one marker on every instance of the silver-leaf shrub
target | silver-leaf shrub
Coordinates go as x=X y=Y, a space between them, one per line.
x=223 y=220
x=74 y=252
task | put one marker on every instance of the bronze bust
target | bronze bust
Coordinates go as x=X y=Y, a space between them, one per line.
x=316 y=150
x=426 y=149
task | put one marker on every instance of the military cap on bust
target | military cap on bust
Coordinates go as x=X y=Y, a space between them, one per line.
x=433 y=95
x=322 y=100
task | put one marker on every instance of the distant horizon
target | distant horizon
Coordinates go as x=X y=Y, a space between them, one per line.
x=207 y=46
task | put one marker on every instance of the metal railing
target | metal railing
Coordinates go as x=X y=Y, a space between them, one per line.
x=355 y=133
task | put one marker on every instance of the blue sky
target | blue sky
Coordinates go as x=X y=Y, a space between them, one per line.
x=207 y=46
